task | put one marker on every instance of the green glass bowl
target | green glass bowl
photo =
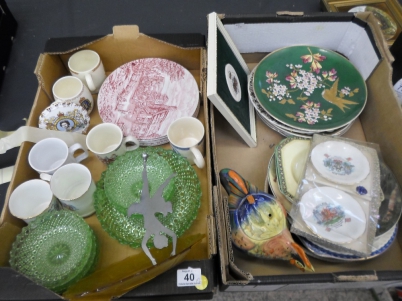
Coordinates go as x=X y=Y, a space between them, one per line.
x=55 y=250
x=185 y=198
x=123 y=179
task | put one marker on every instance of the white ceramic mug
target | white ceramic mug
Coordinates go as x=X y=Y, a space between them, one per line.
x=49 y=154
x=71 y=89
x=106 y=141
x=72 y=184
x=88 y=67
x=30 y=199
x=186 y=136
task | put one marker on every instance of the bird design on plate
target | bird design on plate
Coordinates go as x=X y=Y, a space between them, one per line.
x=330 y=95
x=258 y=223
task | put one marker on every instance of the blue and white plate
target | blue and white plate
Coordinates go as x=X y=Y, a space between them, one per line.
x=380 y=245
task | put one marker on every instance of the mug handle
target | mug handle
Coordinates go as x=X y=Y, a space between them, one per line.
x=198 y=158
x=73 y=148
x=133 y=140
x=90 y=82
x=45 y=176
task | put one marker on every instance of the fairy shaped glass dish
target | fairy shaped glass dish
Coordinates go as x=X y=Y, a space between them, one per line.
x=309 y=88
x=184 y=192
x=55 y=250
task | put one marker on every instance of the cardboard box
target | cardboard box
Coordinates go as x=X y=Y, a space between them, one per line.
x=124 y=45
x=359 y=39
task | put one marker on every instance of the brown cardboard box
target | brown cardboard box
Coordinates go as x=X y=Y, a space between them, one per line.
x=124 y=45
x=358 y=38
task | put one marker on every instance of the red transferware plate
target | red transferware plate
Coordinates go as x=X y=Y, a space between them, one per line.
x=145 y=96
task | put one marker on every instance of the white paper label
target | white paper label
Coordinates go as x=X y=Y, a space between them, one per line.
x=189 y=277
x=398 y=90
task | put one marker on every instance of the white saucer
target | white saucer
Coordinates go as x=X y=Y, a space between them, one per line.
x=332 y=214
x=340 y=162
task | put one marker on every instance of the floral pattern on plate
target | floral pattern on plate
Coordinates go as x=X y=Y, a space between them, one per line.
x=338 y=165
x=64 y=117
x=332 y=214
x=340 y=162
x=311 y=88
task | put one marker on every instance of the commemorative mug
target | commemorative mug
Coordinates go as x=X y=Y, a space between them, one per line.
x=71 y=89
x=186 y=137
x=73 y=185
x=30 y=199
x=106 y=141
x=49 y=154
x=88 y=67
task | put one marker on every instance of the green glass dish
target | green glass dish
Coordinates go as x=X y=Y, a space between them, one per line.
x=123 y=179
x=55 y=250
x=185 y=199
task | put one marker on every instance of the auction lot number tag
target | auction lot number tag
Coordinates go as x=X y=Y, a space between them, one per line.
x=189 y=277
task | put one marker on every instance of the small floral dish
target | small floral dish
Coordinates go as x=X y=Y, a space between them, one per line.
x=64 y=117
x=340 y=162
x=309 y=88
x=332 y=214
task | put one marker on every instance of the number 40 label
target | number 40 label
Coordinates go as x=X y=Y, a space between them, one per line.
x=189 y=277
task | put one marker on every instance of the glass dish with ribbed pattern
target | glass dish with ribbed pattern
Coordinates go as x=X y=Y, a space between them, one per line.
x=56 y=250
x=184 y=193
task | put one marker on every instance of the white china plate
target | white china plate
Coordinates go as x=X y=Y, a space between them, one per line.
x=332 y=214
x=64 y=117
x=340 y=162
x=145 y=96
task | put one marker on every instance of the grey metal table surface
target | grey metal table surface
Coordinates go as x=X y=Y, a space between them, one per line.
x=40 y=20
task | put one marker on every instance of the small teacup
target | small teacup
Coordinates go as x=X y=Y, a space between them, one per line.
x=71 y=89
x=106 y=141
x=50 y=154
x=73 y=185
x=30 y=199
x=88 y=67
x=186 y=137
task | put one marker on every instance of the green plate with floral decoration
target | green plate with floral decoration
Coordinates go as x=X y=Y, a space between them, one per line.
x=310 y=88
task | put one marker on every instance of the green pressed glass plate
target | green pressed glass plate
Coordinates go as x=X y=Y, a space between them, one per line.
x=123 y=179
x=56 y=250
x=184 y=194
x=310 y=88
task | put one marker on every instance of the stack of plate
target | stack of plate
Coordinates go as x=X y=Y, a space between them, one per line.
x=145 y=96
x=55 y=250
x=285 y=169
x=290 y=160
x=121 y=185
x=305 y=90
